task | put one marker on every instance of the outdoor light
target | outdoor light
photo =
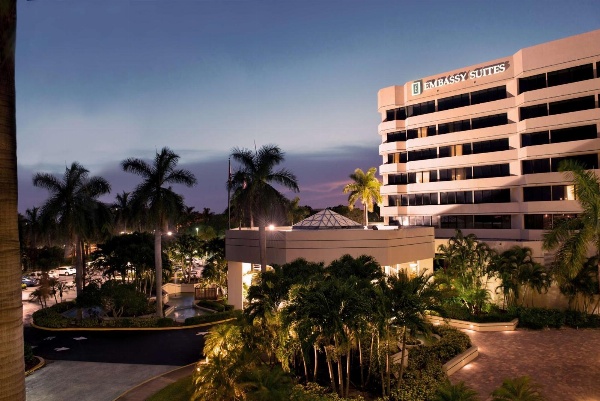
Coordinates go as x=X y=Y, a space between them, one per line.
x=271 y=227
x=169 y=233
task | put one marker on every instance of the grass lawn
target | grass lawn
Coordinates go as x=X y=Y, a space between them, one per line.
x=181 y=390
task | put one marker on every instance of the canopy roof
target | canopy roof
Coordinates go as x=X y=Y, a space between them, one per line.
x=326 y=220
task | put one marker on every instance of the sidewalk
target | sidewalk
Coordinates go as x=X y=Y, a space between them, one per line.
x=142 y=391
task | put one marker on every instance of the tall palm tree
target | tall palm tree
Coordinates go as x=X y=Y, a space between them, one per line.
x=12 y=371
x=573 y=236
x=364 y=188
x=123 y=212
x=253 y=190
x=518 y=389
x=161 y=202
x=74 y=207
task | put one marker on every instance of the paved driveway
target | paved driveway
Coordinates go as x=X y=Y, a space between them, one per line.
x=565 y=362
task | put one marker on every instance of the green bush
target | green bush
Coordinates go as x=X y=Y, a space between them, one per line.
x=213 y=317
x=218 y=306
x=165 y=322
x=28 y=354
x=580 y=320
x=51 y=317
x=540 y=318
x=491 y=314
x=420 y=384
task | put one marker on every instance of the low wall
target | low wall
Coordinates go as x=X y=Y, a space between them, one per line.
x=172 y=288
x=455 y=364
x=461 y=324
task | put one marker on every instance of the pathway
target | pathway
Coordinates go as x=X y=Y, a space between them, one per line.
x=565 y=362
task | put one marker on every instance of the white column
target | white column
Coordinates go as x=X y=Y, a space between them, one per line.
x=234 y=284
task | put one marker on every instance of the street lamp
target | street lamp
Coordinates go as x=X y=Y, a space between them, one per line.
x=196 y=231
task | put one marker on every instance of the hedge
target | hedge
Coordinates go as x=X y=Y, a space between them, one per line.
x=215 y=305
x=213 y=317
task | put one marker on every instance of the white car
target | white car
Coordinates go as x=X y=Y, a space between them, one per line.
x=66 y=271
x=39 y=275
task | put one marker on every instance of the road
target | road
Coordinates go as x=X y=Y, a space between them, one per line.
x=165 y=347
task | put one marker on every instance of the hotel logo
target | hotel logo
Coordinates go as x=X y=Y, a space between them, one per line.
x=417 y=87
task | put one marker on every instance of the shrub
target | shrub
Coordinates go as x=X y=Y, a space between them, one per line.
x=28 y=354
x=578 y=319
x=51 y=317
x=165 y=322
x=213 y=317
x=540 y=318
x=214 y=305
x=420 y=384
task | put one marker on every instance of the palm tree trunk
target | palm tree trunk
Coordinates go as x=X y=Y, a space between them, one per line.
x=158 y=268
x=360 y=362
x=316 y=363
x=331 y=375
x=402 y=358
x=366 y=215
x=347 y=374
x=12 y=369
x=78 y=265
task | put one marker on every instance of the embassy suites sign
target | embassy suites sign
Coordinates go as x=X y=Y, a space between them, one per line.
x=419 y=86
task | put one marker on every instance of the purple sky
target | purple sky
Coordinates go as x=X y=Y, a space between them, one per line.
x=98 y=82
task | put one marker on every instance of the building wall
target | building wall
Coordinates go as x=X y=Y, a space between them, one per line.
x=458 y=167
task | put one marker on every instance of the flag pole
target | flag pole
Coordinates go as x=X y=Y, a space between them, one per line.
x=228 y=195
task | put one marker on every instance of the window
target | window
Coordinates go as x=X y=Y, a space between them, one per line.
x=532 y=83
x=488 y=95
x=496 y=145
x=455 y=126
x=571 y=105
x=393 y=200
x=494 y=170
x=424 y=132
x=492 y=222
x=419 y=177
x=395 y=114
x=456 y=221
x=420 y=109
x=535 y=138
x=456 y=198
x=399 y=136
x=453 y=102
x=412 y=134
x=535 y=166
x=455 y=174
x=569 y=75
x=489 y=121
x=545 y=221
x=492 y=196
x=588 y=161
x=563 y=192
x=422 y=154
x=574 y=134
x=537 y=194
x=539 y=110
x=397 y=179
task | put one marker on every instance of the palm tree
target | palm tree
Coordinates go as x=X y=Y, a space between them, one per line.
x=518 y=389
x=12 y=369
x=252 y=187
x=122 y=211
x=573 y=236
x=161 y=202
x=74 y=207
x=455 y=392
x=364 y=188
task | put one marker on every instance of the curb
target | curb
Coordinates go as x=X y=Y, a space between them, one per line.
x=130 y=328
x=133 y=389
x=41 y=364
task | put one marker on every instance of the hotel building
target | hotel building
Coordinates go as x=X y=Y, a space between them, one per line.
x=478 y=148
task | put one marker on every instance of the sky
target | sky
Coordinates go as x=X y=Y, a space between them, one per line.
x=102 y=81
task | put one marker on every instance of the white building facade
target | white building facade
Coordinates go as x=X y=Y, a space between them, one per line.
x=478 y=148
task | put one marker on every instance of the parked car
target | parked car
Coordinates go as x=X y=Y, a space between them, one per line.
x=39 y=274
x=29 y=281
x=66 y=271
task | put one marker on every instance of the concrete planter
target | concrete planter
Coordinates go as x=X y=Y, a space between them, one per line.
x=462 y=324
x=455 y=364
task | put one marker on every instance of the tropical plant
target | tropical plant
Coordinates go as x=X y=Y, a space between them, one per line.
x=253 y=192
x=364 y=188
x=161 y=202
x=573 y=236
x=520 y=274
x=185 y=248
x=466 y=269
x=74 y=207
x=455 y=392
x=215 y=269
x=518 y=389
x=581 y=289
